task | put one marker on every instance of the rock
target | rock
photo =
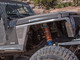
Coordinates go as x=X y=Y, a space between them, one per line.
x=38 y=11
x=37 y=7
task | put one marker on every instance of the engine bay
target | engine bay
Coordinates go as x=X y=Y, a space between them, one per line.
x=38 y=39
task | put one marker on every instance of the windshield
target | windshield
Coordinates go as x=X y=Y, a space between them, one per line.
x=18 y=10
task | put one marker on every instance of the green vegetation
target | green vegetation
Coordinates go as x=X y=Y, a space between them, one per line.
x=61 y=5
x=78 y=3
x=71 y=3
x=46 y=3
x=66 y=4
x=54 y=3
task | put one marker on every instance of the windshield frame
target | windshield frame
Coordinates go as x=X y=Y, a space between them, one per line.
x=31 y=12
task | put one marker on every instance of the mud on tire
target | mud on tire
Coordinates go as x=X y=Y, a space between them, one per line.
x=53 y=53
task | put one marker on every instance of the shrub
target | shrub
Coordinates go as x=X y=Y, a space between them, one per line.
x=46 y=3
x=59 y=5
x=71 y=3
x=78 y=3
x=66 y=4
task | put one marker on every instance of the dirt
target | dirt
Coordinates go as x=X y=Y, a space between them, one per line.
x=73 y=9
x=70 y=8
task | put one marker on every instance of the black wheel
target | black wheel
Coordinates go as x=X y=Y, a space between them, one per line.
x=22 y=58
x=8 y=58
x=53 y=53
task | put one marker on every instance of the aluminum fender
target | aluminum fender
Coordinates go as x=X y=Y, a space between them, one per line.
x=33 y=22
x=43 y=17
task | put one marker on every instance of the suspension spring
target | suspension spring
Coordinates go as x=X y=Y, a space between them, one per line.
x=48 y=34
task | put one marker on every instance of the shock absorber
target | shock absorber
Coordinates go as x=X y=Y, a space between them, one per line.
x=48 y=34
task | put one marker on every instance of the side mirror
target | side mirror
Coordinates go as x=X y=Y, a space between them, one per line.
x=12 y=23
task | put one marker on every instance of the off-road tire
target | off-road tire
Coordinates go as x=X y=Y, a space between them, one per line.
x=53 y=53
